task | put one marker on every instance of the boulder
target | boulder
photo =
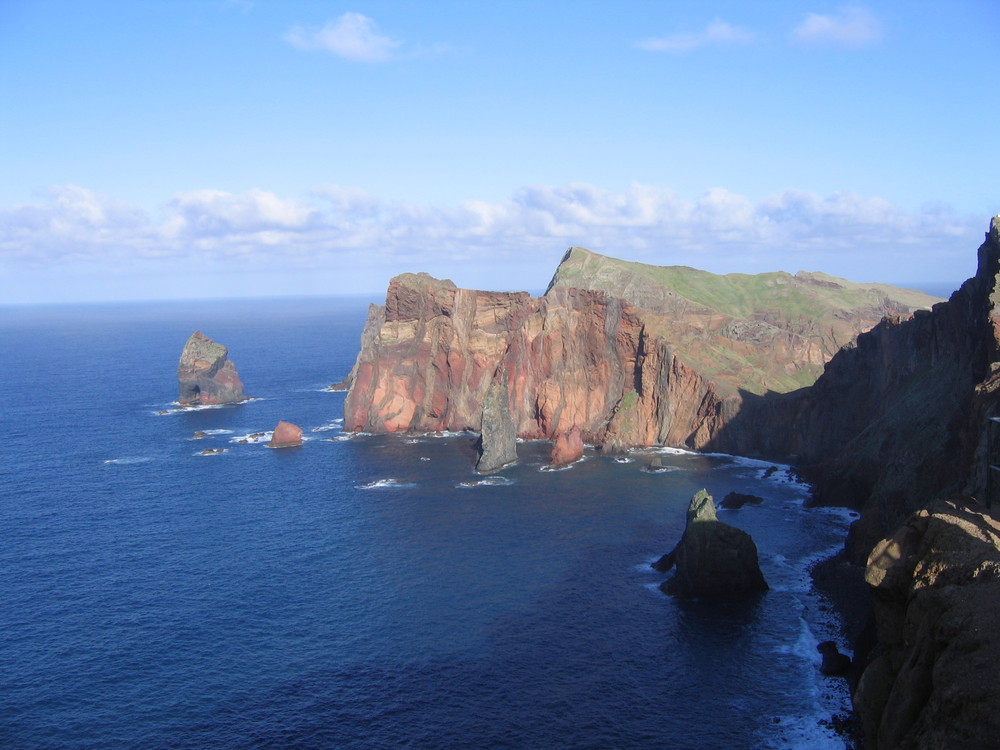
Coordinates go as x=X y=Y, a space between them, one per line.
x=713 y=560
x=286 y=435
x=205 y=375
x=567 y=447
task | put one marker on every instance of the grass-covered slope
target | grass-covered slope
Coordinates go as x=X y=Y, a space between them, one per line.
x=764 y=332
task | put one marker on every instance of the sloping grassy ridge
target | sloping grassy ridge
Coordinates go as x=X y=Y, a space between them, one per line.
x=764 y=332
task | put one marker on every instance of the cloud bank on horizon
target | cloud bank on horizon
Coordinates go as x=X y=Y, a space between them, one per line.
x=349 y=228
x=282 y=150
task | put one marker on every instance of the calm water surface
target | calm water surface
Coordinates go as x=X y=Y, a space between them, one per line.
x=367 y=592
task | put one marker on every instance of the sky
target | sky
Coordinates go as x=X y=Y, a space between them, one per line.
x=242 y=148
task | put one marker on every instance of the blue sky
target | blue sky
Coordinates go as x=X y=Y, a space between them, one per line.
x=225 y=148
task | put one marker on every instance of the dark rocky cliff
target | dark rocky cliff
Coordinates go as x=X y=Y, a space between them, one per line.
x=930 y=682
x=898 y=420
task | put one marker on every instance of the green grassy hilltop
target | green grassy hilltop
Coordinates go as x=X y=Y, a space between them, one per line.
x=764 y=332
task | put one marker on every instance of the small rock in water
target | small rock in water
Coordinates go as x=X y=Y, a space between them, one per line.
x=736 y=500
x=205 y=374
x=834 y=662
x=286 y=435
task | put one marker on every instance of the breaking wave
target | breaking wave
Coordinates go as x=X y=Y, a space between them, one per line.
x=385 y=484
x=253 y=437
x=127 y=460
x=336 y=424
x=493 y=481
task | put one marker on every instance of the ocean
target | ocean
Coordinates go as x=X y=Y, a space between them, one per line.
x=362 y=591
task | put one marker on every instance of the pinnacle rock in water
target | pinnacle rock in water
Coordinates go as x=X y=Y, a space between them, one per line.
x=567 y=447
x=205 y=375
x=714 y=560
x=498 y=436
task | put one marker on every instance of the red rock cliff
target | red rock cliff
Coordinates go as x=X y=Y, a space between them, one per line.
x=571 y=359
x=675 y=371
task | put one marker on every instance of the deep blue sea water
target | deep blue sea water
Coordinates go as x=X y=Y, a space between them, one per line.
x=152 y=597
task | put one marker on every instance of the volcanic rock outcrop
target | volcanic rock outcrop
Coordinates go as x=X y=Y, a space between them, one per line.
x=205 y=375
x=936 y=588
x=285 y=435
x=713 y=560
x=672 y=366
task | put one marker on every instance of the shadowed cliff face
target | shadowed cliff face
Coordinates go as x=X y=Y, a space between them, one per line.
x=899 y=419
x=585 y=359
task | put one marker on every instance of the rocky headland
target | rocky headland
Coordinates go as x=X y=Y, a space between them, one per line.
x=880 y=397
x=205 y=374
x=625 y=353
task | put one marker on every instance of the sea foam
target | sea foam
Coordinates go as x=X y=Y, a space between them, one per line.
x=492 y=481
x=385 y=484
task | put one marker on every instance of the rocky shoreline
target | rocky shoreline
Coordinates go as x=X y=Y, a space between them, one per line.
x=895 y=422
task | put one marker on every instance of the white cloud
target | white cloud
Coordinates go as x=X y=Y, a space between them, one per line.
x=353 y=37
x=852 y=27
x=351 y=229
x=716 y=33
x=219 y=212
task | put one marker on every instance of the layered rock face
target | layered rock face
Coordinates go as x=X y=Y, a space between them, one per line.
x=714 y=560
x=674 y=371
x=205 y=375
x=936 y=589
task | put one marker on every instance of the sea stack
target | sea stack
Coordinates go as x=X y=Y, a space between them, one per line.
x=205 y=375
x=498 y=434
x=567 y=447
x=714 y=560
x=286 y=435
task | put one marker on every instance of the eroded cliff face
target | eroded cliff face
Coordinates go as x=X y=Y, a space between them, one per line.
x=673 y=370
x=429 y=355
x=571 y=360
